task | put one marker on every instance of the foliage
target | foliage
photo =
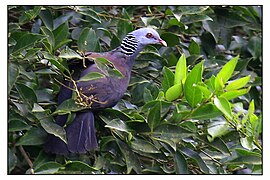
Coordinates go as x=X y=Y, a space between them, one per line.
x=193 y=107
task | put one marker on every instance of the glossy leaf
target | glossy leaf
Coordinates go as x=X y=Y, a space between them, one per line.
x=60 y=35
x=238 y=83
x=224 y=106
x=68 y=106
x=144 y=146
x=153 y=118
x=234 y=93
x=91 y=76
x=24 y=40
x=27 y=94
x=180 y=70
x=173 y=92
x=205 y=112
x=171 y=38
x=180 y=163
x=17 y=125
x=217 y=129
x=226 y=72
x=168 y=78
x=13 y=73
x=78 y=167
x=68 y=53
x=48 y=168
x=35 y=136
x=87 y=40
x=193 y=95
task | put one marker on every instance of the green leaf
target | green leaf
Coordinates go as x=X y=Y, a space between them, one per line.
x=144 y=146
x=194 y=48
x=55 y=61
x=24 y=40
x=173 y=92
x=53 y=128
x=78 y=166
x=217 y=129
x=17 y=125
x=118 y=124
x=12 y=160
x=170 y=38
x=147 y=96
x=35 y=136
x=224 y=106
x=90 y=13
x=154 y=115
x=48 y=168
x=60 y=34
x=194 y=95
x=68 y=53
x=234 y=93
x=195 y=156
x=107 y=68
x=50 y=37
x=27 y=94
x=87 y=40
x=226 y=72
x=205 y=112
x=91 y=76
x=206 y=92
x=68 y=106
x=180 y=70
x=237 y=84
x=255 y=46
x=132 y=161
x=13 y=73
x=46 y=17
x=180 y=163
x=168 y=78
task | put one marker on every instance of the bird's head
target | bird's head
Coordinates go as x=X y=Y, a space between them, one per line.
x=147 y=36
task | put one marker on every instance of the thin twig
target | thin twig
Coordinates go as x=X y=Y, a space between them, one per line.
x=29 y=162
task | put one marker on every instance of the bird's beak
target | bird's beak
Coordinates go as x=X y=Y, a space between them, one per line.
x=161 y=41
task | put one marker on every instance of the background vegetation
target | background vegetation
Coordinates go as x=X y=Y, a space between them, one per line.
x=188 y=115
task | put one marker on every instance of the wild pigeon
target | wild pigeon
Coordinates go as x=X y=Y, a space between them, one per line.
x=105 y=92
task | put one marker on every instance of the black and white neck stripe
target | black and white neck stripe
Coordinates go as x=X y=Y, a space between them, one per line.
x=129 y=45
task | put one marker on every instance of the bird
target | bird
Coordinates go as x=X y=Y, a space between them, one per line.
x=107 y=91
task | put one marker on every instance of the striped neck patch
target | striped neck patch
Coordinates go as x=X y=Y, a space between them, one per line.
x=129 y=45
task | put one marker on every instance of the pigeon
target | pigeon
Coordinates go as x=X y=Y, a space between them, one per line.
x=101 y=93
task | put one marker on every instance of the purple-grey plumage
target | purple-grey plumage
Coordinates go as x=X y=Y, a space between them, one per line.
x=81 y=135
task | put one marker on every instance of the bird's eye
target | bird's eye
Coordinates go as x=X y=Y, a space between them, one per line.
x=149 y=35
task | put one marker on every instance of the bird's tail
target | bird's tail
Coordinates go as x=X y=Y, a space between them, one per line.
x=81 y=136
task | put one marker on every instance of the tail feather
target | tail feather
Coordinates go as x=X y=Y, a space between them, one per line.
x=81 y=136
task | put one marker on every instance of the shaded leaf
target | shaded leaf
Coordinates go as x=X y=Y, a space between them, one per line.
x=78 y=166
x=180 y=163
x=17 y=125
x=12 y=160
x=87 y=40
x=48 y=168
x=168 y=78
x=194 y=48
x=13 y=73
x=153 y=118
x=144 y=146
x=27 y=94
x=68 y=106
x=60 y=34
x=35 y=136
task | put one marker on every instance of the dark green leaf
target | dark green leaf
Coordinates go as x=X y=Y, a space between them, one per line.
x=24 y=40
x=78 y=166
x=87 y=40
x=17 y=125
x=205 y=112
x=91 y=76
x=217 y=129
x=13 y=73
x=118 y=124
x=255 y=46
x=35 y=136
x=27 y=94
x=180 y=163
x=195 y=156
x=194 y=48
x=193 y=94
x=12 y=160
x=48 y=168
x=144 y=146
x=68 y=106
x=168 y=78
x=47 y=18
x=60 y=34
x=171 y=38
x=153 y=118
